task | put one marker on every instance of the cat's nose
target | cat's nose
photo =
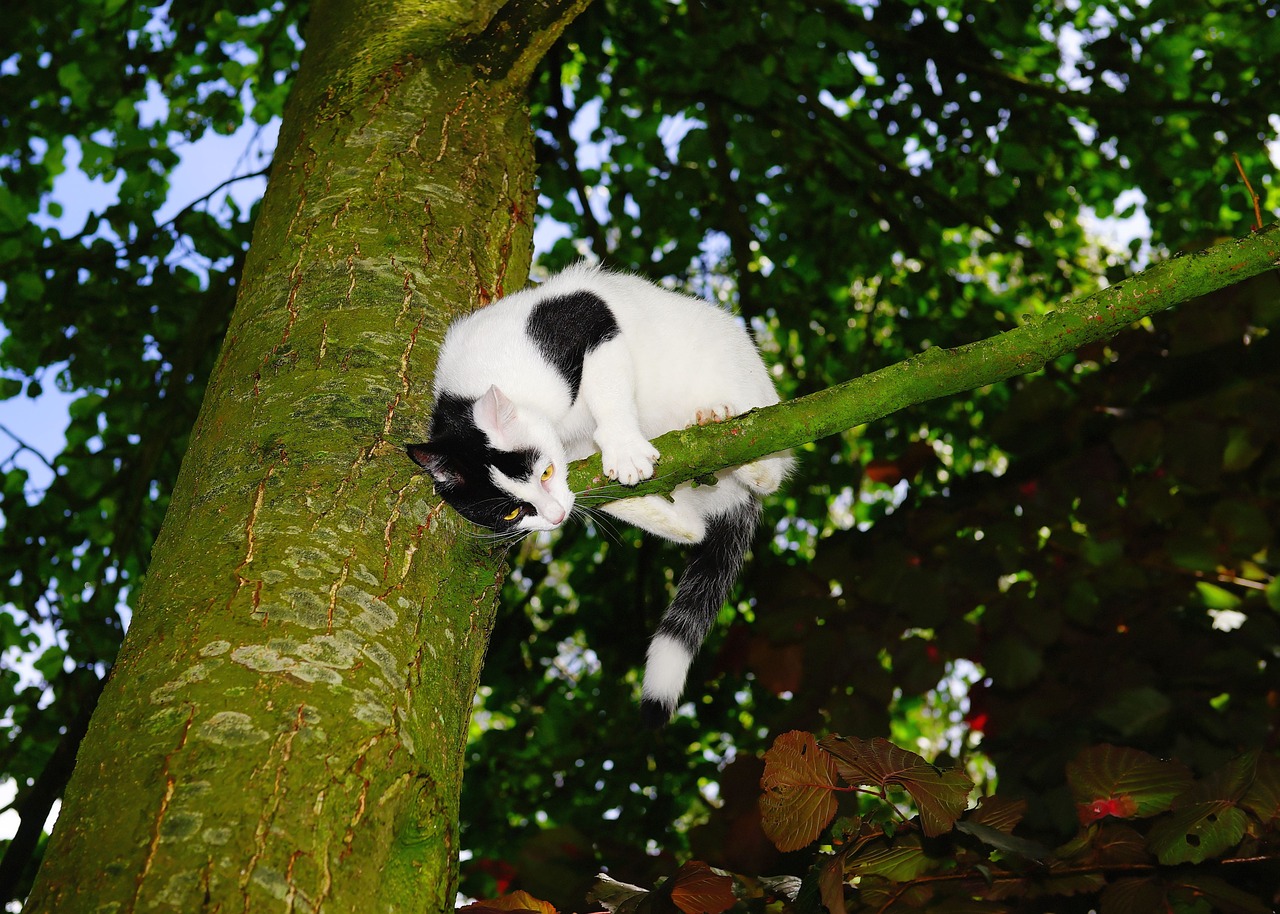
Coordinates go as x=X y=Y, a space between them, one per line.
x=555 y=515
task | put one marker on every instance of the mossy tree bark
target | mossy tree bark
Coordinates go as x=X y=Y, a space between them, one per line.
x=286 y=721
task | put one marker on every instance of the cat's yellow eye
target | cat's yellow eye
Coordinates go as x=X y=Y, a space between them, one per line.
x=546 y=474
x=512 y=514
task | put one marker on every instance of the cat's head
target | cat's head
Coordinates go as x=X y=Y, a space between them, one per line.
x=497 y=465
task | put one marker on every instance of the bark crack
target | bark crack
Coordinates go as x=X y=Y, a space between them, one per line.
x=251 y=544
x=285 y=744
x=337 y=585
x=170 y=786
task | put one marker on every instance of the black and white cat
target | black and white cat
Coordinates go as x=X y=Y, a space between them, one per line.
x=595 y=360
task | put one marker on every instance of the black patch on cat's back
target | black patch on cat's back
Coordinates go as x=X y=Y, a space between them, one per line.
x=566 y=328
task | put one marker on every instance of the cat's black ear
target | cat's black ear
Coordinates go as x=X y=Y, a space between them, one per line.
x=436 y=463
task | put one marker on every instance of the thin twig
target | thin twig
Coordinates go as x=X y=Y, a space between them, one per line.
x=23 y=446
x=1257 y=210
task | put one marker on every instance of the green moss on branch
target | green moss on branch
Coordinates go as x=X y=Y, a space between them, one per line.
x=937 y=372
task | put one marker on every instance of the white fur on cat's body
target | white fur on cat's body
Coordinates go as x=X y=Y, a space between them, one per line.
x=675 y=357
x=676 y=360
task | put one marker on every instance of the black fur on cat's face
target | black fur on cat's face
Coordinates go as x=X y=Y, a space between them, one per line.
x=511 y=490
x=459 y=467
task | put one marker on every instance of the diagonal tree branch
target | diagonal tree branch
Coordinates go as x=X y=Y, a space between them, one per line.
x=696 y=452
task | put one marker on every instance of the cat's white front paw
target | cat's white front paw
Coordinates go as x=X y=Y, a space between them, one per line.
x=628 y=462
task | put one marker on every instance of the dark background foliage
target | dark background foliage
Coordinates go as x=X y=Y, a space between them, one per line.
x=860 y=182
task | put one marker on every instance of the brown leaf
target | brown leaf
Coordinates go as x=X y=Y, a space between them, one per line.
x=698 y=889
x=516 y=901
x=1263 y=796
x=941 y=795
x=999 y=813
x=1116 y=844
x=798 y=780
x=868 y=761
x=831 y=885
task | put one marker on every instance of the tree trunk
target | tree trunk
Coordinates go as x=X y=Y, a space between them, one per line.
x=284 y=729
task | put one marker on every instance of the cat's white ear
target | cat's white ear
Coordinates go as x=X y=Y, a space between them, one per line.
x=496 y=416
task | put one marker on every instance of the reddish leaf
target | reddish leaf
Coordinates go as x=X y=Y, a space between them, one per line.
x=883 y=471
x=1222 y=895
x=516 y=901
x=1118 y=844
x=797 y=803
x=831 y=885
x=999 y=813
x=1133 y=896
x=1116 y=781
x=1263 y=796
x=698 y=889
x=779 y=668
x=940 y=794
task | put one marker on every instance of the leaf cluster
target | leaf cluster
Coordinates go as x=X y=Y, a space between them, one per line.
x=1151 y=837
x=1141 y=820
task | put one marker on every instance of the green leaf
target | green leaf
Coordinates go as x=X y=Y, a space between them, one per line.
x=1273 y=593
x=1215 y=597
x=1136 y=710
x=1205 y=821
x=1197 y=833
x=1241 y=450
x=49 y=665
x=1117 y=781
x=899 y=859
x=72 y=78
x=1002 y=841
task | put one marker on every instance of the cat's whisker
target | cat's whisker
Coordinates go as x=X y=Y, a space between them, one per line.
x=600 y=521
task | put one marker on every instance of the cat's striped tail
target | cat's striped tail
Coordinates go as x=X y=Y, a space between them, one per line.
x=713 y=567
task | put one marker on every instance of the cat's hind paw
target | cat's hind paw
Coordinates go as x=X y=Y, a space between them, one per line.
x=764 y=477
x=709 y=414
x=629 y=463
